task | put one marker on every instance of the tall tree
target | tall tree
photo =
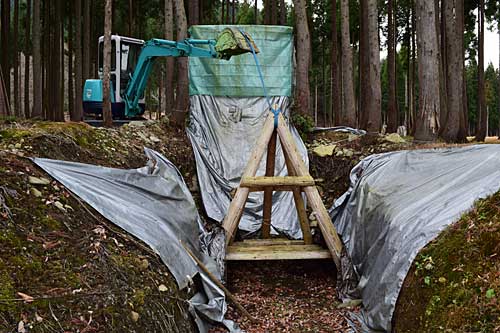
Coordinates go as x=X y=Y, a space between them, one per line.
x=27 y=27
x=55 y=99
x=282 y=20
x=71 y=98
x=373 y=104
x=483 y=116
x=182 y=95
x=86 y=39
x=303 y=56
x=427 y=120
x=4 y=102
x=193 y=12
x=5 y=54
x=336 y=102
x=106 y=106
x=392 y=107
x=454 y=72
x=77 y=114
x=348 y=102
x=169 y=75
x=16 y=104
x=37 y=63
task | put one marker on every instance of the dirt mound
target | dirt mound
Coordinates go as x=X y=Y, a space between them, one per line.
x=62 y=266
x=454 y=284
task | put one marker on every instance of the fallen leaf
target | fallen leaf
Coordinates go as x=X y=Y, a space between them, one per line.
x=26 y=298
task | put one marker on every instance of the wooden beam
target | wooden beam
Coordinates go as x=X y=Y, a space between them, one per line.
x=277 y=252
x=232 y=219
x=269 y=242
x=268 y=192
x=277 y=181
x=314 y=199
x=299 y=204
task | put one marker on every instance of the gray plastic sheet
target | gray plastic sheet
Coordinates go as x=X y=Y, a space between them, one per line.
x=396 y=204
x=154 y=204
x=223 y=132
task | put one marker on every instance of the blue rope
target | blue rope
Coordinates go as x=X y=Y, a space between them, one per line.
x=276 y=112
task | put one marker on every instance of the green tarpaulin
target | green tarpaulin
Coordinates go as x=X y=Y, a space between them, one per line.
x=238 y=77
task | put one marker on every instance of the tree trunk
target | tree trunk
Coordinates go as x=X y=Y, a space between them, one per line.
x=392 y=107
x=498 y=82
x=27 y=27
x=413 y=101
x=481 y=128
x=282 y=20
x=336 y=102
x=5 y=54
x=427 y=120
x=227 y=11
x=86 y=40
x=303 y=56
x=256 y=12
x=374 y=102
x=454 y=73
x=267 y=11
x=78 y=113
x=348 y=104
x=364 y=67
x=106 y=106
x=441 y=31
x=37 y=63
x=71 y=98
x=169 y=76
x=182 y=95
x=193 y=12
x=4 y=103
x=462 y=131
x=17 y=102
x=222 y=12
x=57 y=68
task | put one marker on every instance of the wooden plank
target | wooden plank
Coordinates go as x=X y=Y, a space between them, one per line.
x=314 y=199
x=235 y=247
x=293 y=252
x=233 y=216
x=269 y=242
x=268 y=192
x=299 y=204
x=299 y=181
x=280 y=188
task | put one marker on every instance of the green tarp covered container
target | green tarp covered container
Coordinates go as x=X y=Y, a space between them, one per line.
x=238 y=77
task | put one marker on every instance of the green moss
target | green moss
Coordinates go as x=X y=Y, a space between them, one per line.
x=7 y=292
x=13 y=133
x=9 y=239
x=50 y=223
x=451 y=282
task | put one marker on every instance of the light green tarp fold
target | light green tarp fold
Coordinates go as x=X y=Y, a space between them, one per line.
x=239 y=77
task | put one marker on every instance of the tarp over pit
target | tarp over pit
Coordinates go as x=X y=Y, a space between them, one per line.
x=396 y=204
x=154 y=204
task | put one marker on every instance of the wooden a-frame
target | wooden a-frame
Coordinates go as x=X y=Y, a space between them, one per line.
x=297 y=181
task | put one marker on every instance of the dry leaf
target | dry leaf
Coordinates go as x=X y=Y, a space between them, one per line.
x=26 y=298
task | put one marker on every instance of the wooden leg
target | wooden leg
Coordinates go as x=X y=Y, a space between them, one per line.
x=314 y=199
x=299 y=204
x=232 y=219
x=268 y=192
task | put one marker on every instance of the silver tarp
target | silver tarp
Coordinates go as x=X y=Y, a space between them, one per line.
x=154 y=204
x=223 y=131
x=396 y=204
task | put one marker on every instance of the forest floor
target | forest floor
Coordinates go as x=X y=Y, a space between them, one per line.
x=64 y=266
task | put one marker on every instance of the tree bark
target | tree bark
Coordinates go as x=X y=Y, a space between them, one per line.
x=374 y=102
x=182 y=96
x=454 y=73
x=37 y=63
x=86 y=40
x=193 y=12
x=169 y=76
x=348 y=104
x=5 y=54
x=427 y=120
x=27 y=53
x=71 y=98
x=303 y=56
x=267 y=11
x=498 y=84
x=392 y=107
x=256 y=12
x=282 y=20
x=364 y=67
x=481 y=128
x=17 y=102
x=336 y=102
x=77 y=109
x=106 y=106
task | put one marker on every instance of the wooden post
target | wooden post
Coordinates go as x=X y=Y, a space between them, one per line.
x=326 y=226
x=232 y=219
x=268 y=192
x=299 y=204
